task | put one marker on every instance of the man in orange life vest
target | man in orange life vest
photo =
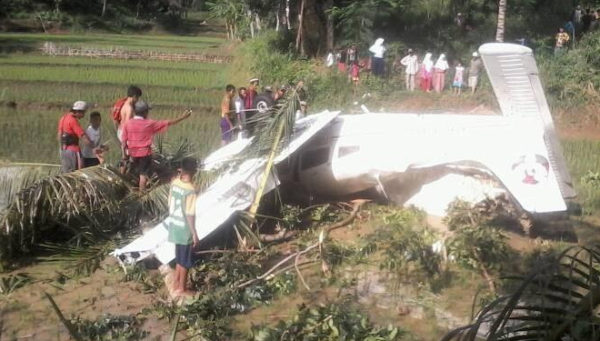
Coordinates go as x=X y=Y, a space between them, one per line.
x=69 y=134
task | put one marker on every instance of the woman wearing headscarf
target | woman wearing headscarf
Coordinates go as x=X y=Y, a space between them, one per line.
x=426 y=72
x=439 y=73
x=377 y=61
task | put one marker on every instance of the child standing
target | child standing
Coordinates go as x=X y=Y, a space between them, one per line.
x=90 y=158
x=182 y=229
x=355 y=73
x=457 y=83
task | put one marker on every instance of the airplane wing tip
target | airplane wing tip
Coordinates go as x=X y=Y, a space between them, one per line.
x=503 y=48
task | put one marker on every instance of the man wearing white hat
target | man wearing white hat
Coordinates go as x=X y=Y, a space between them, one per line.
x=474 y=70
x=69 y=134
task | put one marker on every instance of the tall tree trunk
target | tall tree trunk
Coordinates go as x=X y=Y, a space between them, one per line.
x=329 y=24
x=501 y=20
x=103 y=8
x=251 y=23
x=287 y=14
x=277 y=17
x=300 y=33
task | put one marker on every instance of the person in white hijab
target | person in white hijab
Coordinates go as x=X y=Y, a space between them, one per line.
x=439 y=73
x=426 y=72
x=377 y=62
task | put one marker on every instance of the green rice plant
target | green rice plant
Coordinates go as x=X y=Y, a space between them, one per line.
x=201 y=130
x=43 y=60
x=124 y=42
x=110 y=74
x=42 y=95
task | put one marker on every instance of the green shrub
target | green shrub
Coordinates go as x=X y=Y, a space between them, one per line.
x=572 y=78
x=334 y=321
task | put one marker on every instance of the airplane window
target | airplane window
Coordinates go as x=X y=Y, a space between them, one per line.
x=347 y=150
x=313 y=158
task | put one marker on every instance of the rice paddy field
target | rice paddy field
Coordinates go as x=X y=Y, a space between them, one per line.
x=36 y=89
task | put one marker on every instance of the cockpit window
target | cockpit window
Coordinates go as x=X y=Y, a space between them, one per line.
x=313 y=158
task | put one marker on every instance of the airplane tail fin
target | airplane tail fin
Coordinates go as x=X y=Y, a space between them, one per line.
x=515 y=78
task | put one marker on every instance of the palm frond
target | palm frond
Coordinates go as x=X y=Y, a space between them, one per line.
x=556 y=302
x=79 y=208
x=62 y=207
x=16 y=176
x=267 y=123
x=78 y=261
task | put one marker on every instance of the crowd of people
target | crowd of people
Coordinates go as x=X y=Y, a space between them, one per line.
x=81 y=148
x=419 y=73
x=239 y=106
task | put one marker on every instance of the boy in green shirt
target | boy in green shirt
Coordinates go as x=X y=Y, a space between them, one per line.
x=182 y=230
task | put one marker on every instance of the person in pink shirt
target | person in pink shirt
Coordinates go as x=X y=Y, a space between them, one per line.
x=137 y=136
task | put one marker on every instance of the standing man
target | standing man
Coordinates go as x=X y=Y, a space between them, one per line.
x=251 y=93
x=69 y=133
x=123 y=108
x=227 y=110
x=474 y=70
x=240 y=109
x=137 y=137
x=411 y=65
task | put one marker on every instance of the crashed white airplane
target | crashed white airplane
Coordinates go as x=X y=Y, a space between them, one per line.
x=398 y=154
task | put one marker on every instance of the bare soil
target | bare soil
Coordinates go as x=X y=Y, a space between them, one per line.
x=26 y=314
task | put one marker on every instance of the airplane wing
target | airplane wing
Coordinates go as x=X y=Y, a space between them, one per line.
x=515 y=78
x=232 y=192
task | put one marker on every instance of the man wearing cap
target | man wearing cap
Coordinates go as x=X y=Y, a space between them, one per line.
x=137 y=137
x=69 y=134
x=411 y=65
x=280 y=93
x=474 y=71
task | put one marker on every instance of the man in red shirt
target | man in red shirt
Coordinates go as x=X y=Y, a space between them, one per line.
x=136 y=139
x=69 y=134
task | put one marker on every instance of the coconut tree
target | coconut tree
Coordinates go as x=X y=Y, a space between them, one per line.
x=501 y=21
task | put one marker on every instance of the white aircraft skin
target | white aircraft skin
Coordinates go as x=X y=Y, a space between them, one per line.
x=358 y=152
x=334 y=155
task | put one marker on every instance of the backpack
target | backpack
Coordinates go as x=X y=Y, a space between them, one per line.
x=116 y=110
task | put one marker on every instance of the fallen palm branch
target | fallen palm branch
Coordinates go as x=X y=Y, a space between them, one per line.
x=357 y=204
x=77 y=209
x=555 y=302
